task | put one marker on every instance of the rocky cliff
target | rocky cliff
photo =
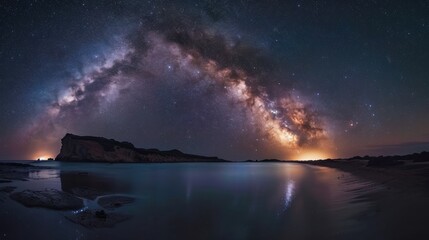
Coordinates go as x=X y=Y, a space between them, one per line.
x=98 y=149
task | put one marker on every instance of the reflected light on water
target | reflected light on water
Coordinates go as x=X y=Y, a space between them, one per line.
x=44 y=174
x=290 y=188
x=80 y=210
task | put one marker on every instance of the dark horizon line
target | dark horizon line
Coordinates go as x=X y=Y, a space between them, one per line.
x=262 y=160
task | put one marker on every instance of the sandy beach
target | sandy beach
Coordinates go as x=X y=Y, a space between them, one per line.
x=401 y=207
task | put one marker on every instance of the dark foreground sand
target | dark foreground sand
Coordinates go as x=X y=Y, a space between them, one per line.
x=401 y=207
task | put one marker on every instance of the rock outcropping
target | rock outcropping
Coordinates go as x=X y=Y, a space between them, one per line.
x=98 y=149
x=48 y=198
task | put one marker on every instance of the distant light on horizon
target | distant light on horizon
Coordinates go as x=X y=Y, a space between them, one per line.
x=42 y=156
x=311 y=155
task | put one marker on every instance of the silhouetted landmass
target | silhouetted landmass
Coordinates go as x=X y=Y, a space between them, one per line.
x=270 y=160
x=385 y=161
x=373 y=161
x=400 y=172
x=98 y=149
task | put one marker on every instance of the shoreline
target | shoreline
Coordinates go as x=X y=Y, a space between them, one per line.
x=400 y=207
x=407 y=176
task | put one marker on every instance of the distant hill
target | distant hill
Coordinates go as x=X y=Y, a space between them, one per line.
x=393 y=160
x=373 y=161
x=98 y=149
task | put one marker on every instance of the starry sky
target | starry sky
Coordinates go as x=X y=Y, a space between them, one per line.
x=241 y=79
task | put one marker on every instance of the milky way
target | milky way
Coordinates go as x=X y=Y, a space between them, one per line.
x=201 y=56
x=235 y=79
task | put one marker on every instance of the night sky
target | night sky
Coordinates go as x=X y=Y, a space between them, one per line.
x=234 y=79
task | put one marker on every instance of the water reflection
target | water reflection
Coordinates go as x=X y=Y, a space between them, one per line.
x=91 y=185
x=188 y=188
x=43 y=174
x=290 y=188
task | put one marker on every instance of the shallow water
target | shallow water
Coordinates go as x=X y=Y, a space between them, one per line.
x=199 y=201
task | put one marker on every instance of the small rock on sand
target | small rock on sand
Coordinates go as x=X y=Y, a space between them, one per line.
x=49 y=198
x=111 y=202
x=97 y=218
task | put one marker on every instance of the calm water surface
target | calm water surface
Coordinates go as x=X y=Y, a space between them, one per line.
x=199 y=201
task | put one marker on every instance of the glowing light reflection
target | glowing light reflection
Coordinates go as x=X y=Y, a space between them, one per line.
x=289 y=193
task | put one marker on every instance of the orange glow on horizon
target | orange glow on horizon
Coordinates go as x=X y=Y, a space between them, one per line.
x=311 y=155
x=42 y=155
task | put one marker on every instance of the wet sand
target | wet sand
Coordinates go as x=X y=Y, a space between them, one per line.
x=401 y=207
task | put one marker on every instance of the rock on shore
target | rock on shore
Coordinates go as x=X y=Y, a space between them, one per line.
x=49 y=198
x=111 y=202
x=97 y=218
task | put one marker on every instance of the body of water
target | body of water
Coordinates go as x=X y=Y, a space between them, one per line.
x=198 y=201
